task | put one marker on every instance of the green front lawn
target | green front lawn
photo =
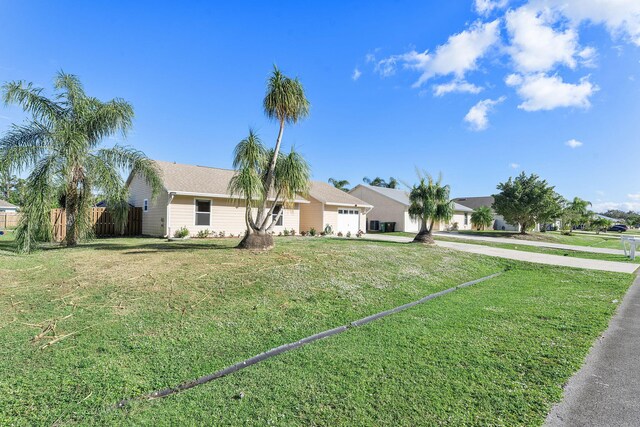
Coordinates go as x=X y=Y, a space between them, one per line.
x=542 y=250
x=577 y=238
x=136 y=315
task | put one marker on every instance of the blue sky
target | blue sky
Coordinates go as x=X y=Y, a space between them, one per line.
x=478 y=90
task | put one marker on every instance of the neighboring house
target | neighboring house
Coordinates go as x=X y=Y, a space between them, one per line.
x=498 y=221
x=196 y=197
x=8 y=207
x=336 y=208
x=392 y=205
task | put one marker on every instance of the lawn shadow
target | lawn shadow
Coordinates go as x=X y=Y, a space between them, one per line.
x=130 y=245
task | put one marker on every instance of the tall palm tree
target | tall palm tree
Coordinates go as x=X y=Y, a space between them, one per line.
x=266 y=178
x=61 y=145
x=429 y=203
x=340 y=184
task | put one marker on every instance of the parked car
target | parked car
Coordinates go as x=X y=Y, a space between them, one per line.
x=620 y=228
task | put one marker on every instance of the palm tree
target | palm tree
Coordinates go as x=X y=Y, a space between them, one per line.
x=577 y=213
x=340 y=184
x=60 y=145
x=268 y=179
x=482 y=217
x=379 y=182
x=429 y=203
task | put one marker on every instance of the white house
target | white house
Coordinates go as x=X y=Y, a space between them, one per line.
x=498 y=221
x=392 y=205
x=197 y=198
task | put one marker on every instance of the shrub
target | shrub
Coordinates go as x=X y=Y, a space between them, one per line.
x=348 y=234
x=312 y=232
x=359 y=234
x=322 y=233
x=202 y=234
x=340 y=234
x=181 y=233
x=286 y=232
x=222 y=234
x=328 y=230
x=280 y=234
x=292 y=232
x=303 y=233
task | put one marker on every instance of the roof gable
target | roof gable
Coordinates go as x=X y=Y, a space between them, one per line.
x=402 y=196
x=196 y=180
x=328 y=194
x=6 y=205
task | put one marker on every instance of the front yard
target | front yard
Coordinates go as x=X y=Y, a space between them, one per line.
x=82 y=328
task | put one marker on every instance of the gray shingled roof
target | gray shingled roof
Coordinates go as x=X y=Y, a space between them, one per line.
x=402 y=196
x=328 y=194
x=5 y=204
x=475 y=202
x=198 y=180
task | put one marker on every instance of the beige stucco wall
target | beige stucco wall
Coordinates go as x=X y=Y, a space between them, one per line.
x=154 y=220
x=317 y=215
x=226 y=215
x=311 y=215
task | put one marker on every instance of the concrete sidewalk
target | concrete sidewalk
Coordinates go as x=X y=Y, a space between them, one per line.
x=590 y=264
x=512 y=241
x=606 y=390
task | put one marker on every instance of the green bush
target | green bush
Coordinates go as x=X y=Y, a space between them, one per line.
x=181 y=233
x=202 y=234
x=312 y=232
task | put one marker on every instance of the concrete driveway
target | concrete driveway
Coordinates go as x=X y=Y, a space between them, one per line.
x=590 y=264
x=607 y=251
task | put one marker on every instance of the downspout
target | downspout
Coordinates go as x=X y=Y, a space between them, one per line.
x=170 y=195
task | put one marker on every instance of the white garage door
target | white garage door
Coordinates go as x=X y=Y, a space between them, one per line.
x=348 y=220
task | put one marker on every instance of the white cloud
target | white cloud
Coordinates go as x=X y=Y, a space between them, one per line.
x=459 y=86
x=535 y=45
x=514 y=165
x=457 y=56
x=634 y=196
x=477 y=115
x=623 y=206
x=485 y=7
x=620 y=17
x=356 y=74
x=542 y=92
x=573 y=143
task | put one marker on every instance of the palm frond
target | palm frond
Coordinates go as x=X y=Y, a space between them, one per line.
x=35 y=221
x=23 y=145
x=285 y=100
x=134 y=161
x=32 y=101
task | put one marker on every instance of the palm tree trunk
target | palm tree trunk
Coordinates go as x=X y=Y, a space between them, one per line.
x=268 y=184
x=426 y=233
x=71 y=209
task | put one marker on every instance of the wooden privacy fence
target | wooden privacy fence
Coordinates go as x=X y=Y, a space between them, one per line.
x=9 y=220
x=102 y=221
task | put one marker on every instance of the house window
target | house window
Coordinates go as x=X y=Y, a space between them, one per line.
x=203 y=212
x=275 y=213
x=466 y=219
x=374 y=225
x=145 y=205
